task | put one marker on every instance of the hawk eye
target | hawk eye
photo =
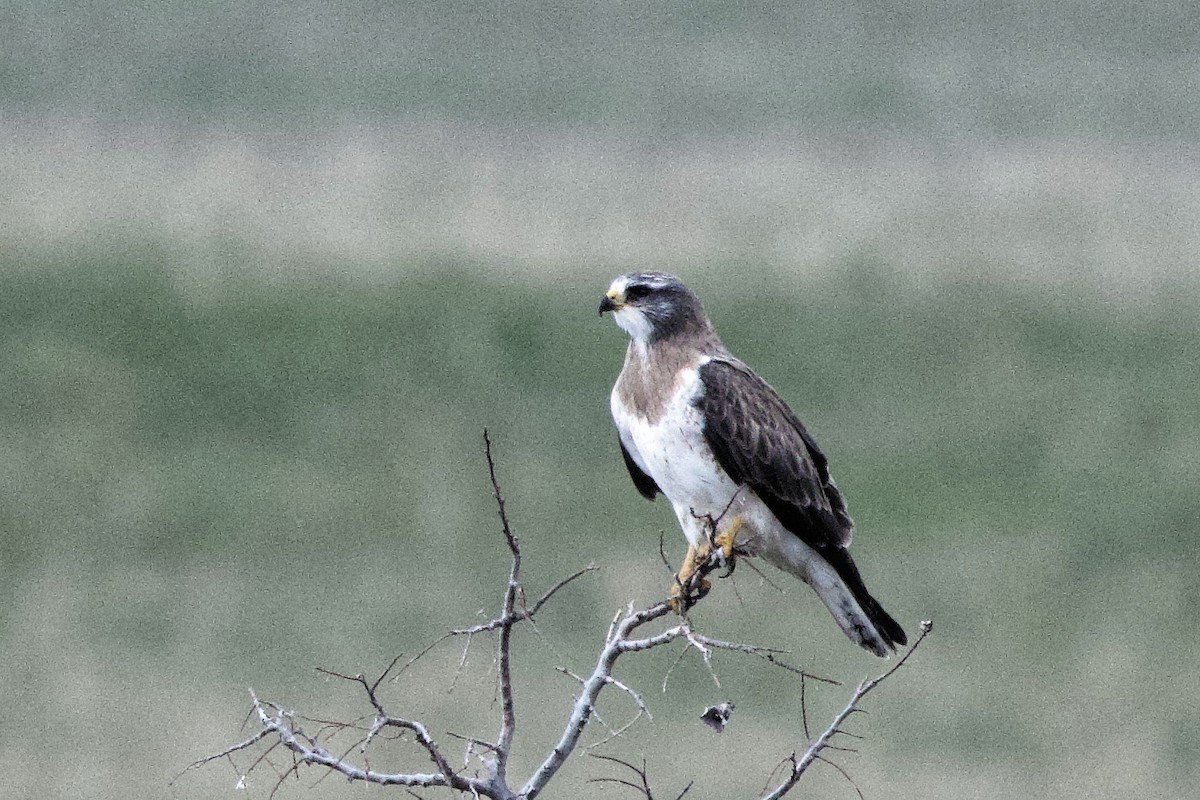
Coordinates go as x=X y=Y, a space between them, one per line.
x=636 y=292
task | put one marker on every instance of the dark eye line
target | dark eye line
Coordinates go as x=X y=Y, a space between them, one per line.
x=636 y=292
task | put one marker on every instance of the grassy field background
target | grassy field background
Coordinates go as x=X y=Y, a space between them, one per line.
x=266 y=274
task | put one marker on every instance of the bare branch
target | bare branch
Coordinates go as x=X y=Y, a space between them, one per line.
x=516 y=616
x=845 y=775
x=662 y=551
x=630 y=631
x=508 y=722
x=643 y=710
x=554 y=589
x=642 y=787
x=799 y=765
x=513 y=546
x=617 y=643
x=421 y=654
x=243 y=745
x=472 y=740
x=309 y=751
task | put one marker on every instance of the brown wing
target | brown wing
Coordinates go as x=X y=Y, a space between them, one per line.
x=761 y=443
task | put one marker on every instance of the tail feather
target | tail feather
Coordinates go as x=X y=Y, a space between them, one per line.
x=860 y=625
x=888 y=628
x=854 y=609
x=834 y=576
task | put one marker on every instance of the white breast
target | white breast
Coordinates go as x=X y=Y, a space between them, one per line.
x=673 y=452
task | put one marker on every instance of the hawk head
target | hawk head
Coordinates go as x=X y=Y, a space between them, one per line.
x=653 y=305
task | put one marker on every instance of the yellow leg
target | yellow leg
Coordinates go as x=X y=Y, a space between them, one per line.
x=694 y=558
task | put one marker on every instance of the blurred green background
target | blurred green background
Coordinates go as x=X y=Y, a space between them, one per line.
x=267 y=271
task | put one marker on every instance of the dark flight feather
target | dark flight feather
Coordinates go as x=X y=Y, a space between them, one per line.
x=644 y=483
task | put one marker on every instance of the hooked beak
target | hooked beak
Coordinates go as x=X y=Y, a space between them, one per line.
x=608 y=304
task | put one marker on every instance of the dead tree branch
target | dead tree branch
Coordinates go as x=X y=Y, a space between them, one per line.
x=642 y=787
x=508 y=616
x=628 y=632
x=823 y=742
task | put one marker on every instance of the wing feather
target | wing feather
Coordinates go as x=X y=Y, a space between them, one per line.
x=759 y=441
x=629 y=452
x=644 y=483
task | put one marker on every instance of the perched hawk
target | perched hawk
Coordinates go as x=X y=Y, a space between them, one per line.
x=740 y=470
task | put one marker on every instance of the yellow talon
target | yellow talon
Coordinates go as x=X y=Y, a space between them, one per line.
x=725 y=540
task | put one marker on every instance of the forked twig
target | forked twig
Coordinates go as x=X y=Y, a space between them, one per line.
x=822 y=742
x=642 y=787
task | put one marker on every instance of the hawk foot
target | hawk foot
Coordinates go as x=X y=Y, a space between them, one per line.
x=723 y=546
x=685 y=590
x=680 y=603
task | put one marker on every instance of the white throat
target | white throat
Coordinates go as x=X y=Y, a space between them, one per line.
x=634 y=322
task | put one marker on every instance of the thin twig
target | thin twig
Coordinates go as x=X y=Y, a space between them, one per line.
x=553 y=589
x=243 y=745
x=799 y=765
x=845 y=775
x=508 y=722
x=643 y=710
x=643 y=785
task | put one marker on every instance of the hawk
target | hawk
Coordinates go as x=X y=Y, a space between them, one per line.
x=740 y=470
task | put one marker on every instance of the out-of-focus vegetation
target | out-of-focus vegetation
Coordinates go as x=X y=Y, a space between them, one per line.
x=672 y=69
x=206 y=494
x=267 y=272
